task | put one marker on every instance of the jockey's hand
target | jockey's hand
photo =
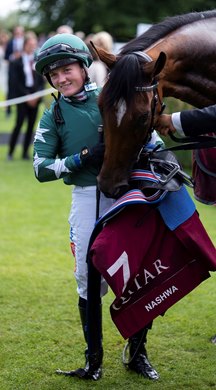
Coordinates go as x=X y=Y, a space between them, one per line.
x=92 y=156
x=164 y=124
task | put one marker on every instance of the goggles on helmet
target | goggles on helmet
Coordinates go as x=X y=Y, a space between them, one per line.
x=65 y=61
x=59 y=48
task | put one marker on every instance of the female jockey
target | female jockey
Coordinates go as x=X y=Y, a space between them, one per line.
x=67 y=147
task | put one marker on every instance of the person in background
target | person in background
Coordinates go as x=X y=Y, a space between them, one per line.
x=67 y=147
x=80 y=34
x=13 y=51
x=64 y=29
x=188 y=122
x=4 y=37
x=14 y=46
x=191 y=123
x=98 y=71
x=23 y=80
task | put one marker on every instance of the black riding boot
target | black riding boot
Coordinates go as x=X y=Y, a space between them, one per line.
x=93 y=361
x=138 y=360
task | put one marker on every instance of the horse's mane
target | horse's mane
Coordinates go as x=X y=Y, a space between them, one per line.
x=160 y=30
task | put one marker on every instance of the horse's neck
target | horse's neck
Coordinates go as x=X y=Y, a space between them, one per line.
x=189 y=72
x=200 y=35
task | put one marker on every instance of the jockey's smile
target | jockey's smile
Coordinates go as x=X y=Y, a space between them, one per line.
x=68 y=79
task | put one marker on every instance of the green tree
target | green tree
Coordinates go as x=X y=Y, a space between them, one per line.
x=120 y=18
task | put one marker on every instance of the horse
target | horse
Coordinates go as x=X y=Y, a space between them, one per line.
x=174 y=58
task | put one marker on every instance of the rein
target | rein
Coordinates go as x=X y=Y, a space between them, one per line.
x=98 y=193
x=192 y=143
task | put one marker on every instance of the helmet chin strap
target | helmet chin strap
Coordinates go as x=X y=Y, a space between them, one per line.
x=88 y=86
x=86 y=72
x=49 y=80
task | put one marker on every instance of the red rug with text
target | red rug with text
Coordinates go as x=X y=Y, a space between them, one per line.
x=151 y=258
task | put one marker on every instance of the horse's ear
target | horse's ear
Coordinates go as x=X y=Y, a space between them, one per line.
x=154 y=67
x=159 y=64
x=108 y=58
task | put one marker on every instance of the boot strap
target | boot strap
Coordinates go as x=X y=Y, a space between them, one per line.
x=126 y=361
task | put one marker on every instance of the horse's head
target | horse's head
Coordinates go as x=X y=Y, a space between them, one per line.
x=128 y=104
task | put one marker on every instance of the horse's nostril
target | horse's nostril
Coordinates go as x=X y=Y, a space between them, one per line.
x=120 y=191
x=117 y=193
x=110 y=188
x=108 y=195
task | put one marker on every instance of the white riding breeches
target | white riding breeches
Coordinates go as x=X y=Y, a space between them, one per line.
x=82 y=219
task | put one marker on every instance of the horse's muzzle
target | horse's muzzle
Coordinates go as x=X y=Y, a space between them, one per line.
x=115 y=191
x=120 y=191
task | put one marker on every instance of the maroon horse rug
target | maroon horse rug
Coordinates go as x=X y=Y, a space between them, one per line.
x=204 y=173
x=151 y=254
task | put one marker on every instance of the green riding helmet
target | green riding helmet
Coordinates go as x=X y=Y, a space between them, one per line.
x=59 y=50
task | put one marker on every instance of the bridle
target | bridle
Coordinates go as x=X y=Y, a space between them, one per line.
x=155 y=101
x=156 y=96
x=150 y=88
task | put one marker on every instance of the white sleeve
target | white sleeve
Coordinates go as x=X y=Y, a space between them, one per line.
x=176 y=120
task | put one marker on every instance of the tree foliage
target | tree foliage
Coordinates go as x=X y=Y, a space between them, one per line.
x=120 y=18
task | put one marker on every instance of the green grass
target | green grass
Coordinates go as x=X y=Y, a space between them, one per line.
x=40 y=329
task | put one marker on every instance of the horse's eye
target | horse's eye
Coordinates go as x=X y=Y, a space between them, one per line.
x=142 y=119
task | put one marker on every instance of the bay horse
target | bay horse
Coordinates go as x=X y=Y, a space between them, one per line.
x=174 y=58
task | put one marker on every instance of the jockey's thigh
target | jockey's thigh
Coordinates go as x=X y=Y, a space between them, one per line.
x=82 y=219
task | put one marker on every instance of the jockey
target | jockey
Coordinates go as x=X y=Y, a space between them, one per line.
x=66 y=146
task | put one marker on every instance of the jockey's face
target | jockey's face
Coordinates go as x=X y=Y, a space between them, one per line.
x=68 y=79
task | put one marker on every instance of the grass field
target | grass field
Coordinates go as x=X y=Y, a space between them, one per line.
x=40 y=329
